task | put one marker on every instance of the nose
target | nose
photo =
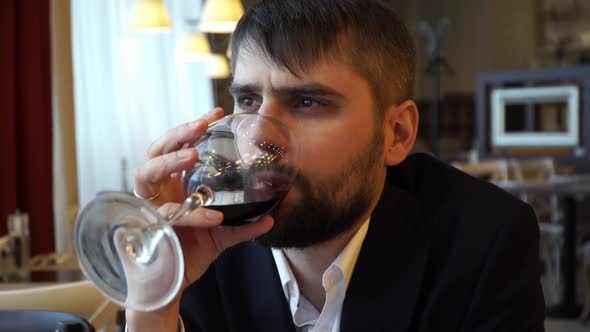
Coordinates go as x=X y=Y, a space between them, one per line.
x=270 y=132
x=270 y=108
x=274 y=109
x=270 y=135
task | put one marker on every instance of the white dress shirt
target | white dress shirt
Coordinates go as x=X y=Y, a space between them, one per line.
x=335 y=281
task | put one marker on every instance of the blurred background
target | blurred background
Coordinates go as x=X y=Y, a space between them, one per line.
x=503 y=89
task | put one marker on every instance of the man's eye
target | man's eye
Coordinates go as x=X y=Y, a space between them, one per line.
x=308 y=103
x=246 y=101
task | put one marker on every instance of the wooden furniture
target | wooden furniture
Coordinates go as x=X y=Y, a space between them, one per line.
x=489 y=170
x=456 y=124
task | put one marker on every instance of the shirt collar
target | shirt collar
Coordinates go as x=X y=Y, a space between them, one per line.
x=347 y=258
x=285 y=273
x=343 y=265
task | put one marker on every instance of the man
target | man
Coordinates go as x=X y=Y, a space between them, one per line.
x=368 y=238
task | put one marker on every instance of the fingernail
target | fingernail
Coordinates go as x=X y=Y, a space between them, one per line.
x=214 y=215
x=215 y=110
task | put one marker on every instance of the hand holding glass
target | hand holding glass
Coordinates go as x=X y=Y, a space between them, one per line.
x=247 y=164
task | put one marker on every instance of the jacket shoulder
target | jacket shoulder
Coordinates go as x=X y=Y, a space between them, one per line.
x=440 y=188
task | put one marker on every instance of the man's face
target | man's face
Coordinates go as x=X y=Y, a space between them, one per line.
x=331 y=114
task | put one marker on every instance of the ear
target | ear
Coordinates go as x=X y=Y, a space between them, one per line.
x=401 y=128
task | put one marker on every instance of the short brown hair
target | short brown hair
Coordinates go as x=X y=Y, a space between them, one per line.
x=368 y=34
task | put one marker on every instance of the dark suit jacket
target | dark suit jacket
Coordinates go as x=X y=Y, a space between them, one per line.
x=444 y=252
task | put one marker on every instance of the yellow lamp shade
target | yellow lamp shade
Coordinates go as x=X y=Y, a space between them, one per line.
x=195 y=47
x=217 y=67
x=221 y=16
x=149 y=16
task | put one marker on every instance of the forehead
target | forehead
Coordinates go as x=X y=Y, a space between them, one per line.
x=254 y=67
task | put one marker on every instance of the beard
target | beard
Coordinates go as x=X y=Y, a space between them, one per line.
x=328 y=207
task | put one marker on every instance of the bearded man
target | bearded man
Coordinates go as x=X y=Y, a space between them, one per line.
x=369 y=237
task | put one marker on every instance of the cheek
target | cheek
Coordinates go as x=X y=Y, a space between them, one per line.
x=325 y=152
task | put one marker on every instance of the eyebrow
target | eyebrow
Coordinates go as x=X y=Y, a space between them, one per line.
x=314 y=89
x=236 y=89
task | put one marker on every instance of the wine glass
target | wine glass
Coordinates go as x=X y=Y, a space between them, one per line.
x=247 y=164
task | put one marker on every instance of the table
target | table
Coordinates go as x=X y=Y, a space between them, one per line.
x=49 y=268
x=11 y=286
x=571 y=189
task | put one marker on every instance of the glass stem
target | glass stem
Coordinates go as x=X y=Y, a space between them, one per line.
x=202 y=196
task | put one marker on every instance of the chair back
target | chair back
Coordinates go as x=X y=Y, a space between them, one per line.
x=490 y=170
x=538 y=170
x=532 y=170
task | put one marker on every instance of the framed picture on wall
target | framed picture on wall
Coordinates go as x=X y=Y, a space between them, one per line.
x=530 y=113
x=535 y=116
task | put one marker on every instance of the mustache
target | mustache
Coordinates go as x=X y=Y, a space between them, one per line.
x=280 y=168
x=264 y=166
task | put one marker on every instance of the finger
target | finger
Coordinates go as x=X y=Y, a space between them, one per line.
x=214 y=115
x=200 y=218
x=227 y=236
x=189 y=132
x=149 y=175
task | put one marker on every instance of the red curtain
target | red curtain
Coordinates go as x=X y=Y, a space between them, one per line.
x=25 y=118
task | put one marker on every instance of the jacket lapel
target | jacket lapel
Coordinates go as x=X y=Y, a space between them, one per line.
x=272 y=302
x=253 y=290
x=386 y=281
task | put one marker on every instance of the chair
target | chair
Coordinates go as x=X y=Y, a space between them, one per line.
x=42 y=321
x=533 y=169
x=537 y=170
x=79 y=298
x=489 y=170
x=549 y=214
